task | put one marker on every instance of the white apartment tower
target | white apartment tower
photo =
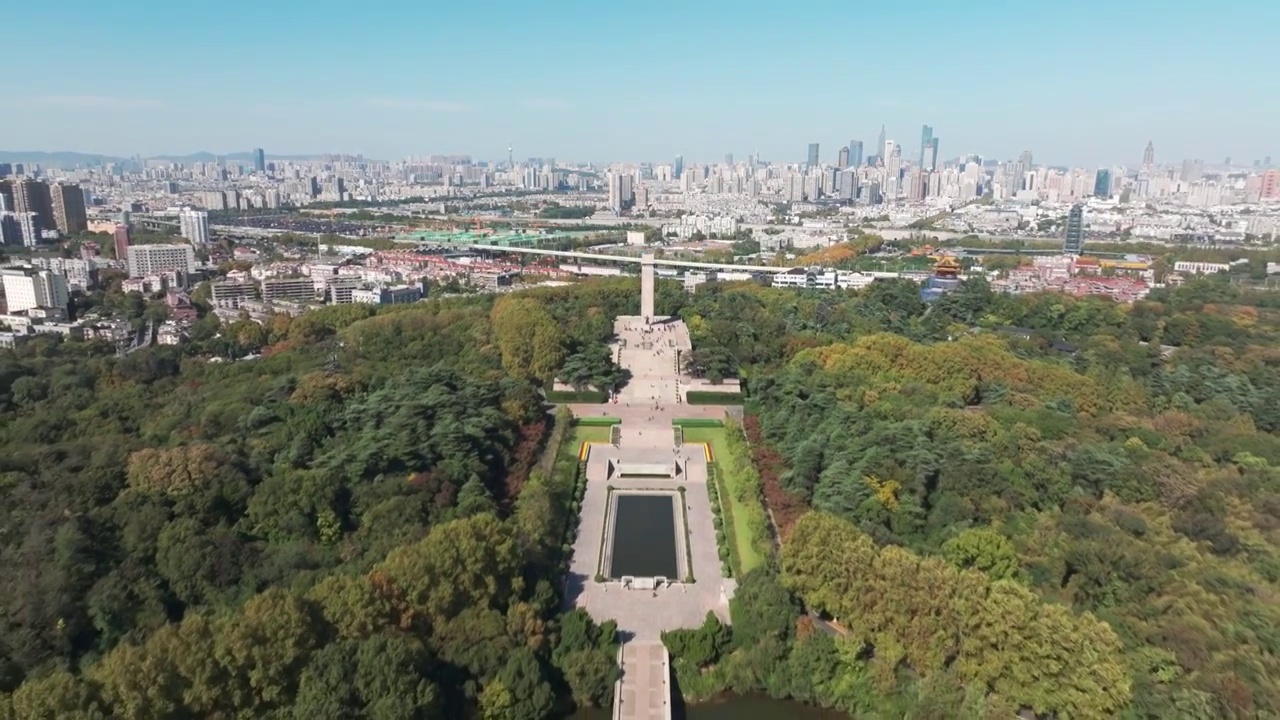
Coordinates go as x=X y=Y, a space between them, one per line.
x=27 y=288
x=194 y=225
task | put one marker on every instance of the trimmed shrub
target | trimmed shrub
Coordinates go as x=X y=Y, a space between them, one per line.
x=593 y=397
x=702 y=397
x=698 y=422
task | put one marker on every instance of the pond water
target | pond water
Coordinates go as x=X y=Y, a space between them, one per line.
x=644 y=537
x=735 y=707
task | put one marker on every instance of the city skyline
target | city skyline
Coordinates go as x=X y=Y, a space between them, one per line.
x=458 y=79
x=930 y=158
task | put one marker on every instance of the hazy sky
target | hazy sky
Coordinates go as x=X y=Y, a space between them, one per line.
x=1081 y=82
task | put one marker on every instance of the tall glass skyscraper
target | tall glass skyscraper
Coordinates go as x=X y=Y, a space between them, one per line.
x=259 y=160
x=926 y=134
x=813 y=154
x=677 y=168
x=855 y=153
x=929 y=158
x=1102 y=184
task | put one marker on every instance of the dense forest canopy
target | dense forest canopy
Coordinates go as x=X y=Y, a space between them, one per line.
x=1117 y=460
x=361 y=521
x=355 y=523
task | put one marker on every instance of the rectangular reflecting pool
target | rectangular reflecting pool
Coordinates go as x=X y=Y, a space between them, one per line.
x=644 y=537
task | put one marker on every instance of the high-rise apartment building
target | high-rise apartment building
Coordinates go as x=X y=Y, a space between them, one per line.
x=32 y=196
x=1270 y=184
x=20 y=229
x=259 y=160
x=1020 y=170
x=621 y=195
x=1073 y=244
x=926 y=135
x=855 y=153
x=813 y=155
x=68 y=208
x=26 y=288
x=145 y=260
x=10 y=231
x=842 y=159
x=194 y=225
x=1192 y=170
x=848 y=185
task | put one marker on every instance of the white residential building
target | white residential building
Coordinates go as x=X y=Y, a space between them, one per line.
x=28 y=288
x=194 y=225
x=147 y=260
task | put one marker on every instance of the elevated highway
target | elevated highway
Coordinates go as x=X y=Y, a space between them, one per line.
x=597 y=257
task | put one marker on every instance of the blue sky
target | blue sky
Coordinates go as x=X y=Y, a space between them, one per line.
x=1083 y=82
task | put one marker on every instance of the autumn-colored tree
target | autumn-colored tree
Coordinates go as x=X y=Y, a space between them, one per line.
x=934 y=617
x=175 y=470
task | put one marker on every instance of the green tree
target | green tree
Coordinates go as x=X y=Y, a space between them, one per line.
x=57 y=696
x=522 y=677
x=982 y=549
x=528 y=337
x=265 y=646
x=468 y=563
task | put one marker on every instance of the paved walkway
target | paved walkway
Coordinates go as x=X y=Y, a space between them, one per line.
x=650 y=352
x=645 y=614
x=646 y=406
x=643 y=692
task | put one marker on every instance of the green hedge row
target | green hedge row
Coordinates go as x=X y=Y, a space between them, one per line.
x=569 y=477
x=698 y=422
x=722 y=521
x=702 y=397
x=601 y=421
x=594 y=397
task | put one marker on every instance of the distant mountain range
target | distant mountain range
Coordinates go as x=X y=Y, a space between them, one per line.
x=68 y=160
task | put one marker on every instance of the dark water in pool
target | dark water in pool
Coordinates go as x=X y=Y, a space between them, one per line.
x=737 y=708
x=644 y=537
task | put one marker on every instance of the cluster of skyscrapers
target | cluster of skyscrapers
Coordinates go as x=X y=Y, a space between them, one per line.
x=851 y=155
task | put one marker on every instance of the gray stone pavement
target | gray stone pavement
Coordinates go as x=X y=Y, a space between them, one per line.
x=644 y=614
x=649 y=352
x=647 y=436
x=644 y=691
